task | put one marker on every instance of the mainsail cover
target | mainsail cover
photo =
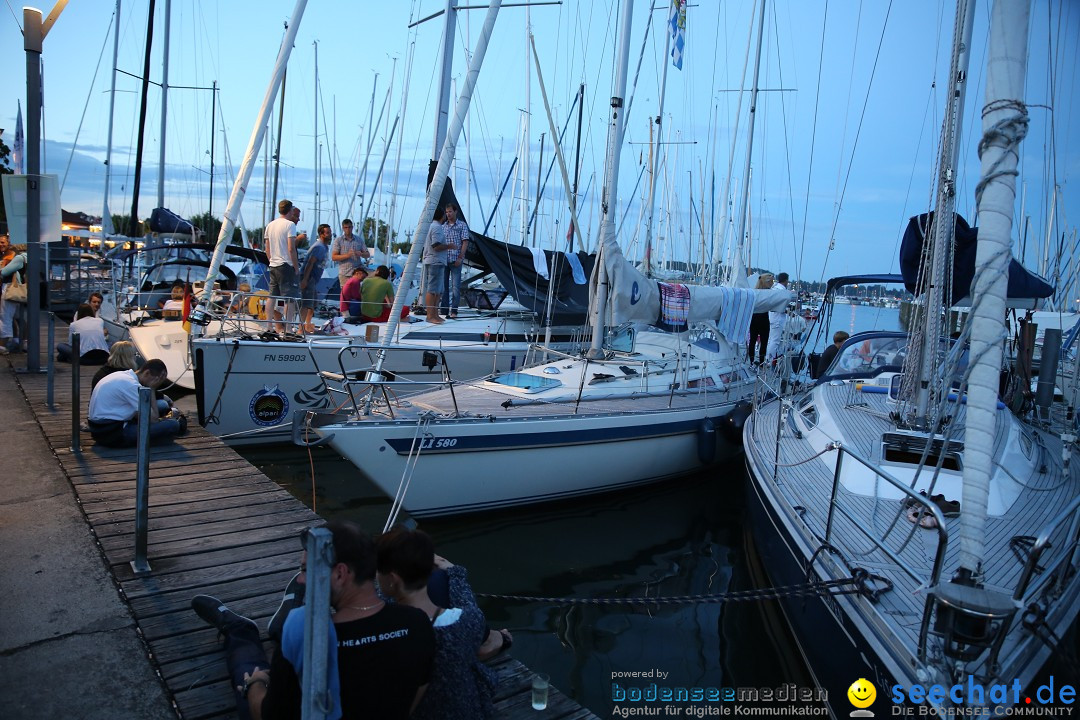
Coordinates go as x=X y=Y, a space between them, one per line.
x=517 y=269
x=636 y=298
x=1023 y=284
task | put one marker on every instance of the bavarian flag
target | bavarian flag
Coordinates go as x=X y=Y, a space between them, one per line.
x=677 y=21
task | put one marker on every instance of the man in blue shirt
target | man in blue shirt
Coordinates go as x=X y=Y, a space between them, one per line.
x=309 y=278
x=457 y=239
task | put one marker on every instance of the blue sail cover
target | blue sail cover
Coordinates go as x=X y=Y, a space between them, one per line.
x=1022 y=282
x=163 y=220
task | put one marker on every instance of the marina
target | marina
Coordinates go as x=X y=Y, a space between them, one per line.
x=693 y=454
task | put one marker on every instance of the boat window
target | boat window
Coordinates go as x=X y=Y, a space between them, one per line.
x=620 y=339
x=871 y=354
x=524 y=381
x=809 y=415
x=1026 y=444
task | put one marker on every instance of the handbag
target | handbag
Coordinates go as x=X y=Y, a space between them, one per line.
x=15 y=291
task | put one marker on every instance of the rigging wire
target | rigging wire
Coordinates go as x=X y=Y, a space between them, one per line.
x=86 y=105
x=858 y=130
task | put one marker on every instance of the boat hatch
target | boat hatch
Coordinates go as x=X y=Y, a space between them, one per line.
x=908 y=448
x=524 y=381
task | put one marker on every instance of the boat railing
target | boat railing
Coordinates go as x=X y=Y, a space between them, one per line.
x=376 y=377
x=1068 y=563
x=912 y=499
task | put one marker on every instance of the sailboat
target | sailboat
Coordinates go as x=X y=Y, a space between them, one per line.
x=862 y=484
x=655 y=397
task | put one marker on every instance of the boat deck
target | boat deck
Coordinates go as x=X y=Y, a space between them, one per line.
x=477 y=399
x=803 y=482
x=218 y=526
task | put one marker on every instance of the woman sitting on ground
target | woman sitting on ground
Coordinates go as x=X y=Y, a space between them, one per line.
x=461 y=686
x=121 y=357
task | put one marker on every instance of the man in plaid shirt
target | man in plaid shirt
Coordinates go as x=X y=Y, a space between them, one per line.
x=457 y=239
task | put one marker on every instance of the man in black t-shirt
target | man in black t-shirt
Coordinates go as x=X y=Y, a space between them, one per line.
x=385 y=653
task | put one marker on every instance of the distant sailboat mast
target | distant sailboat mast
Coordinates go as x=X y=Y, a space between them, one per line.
x=106 y=217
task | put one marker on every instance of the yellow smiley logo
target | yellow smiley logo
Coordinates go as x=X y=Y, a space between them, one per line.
x=862 y=694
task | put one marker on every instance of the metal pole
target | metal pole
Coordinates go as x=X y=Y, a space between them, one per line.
x=50 y=369
x=142 y=482
x=33 y=35
x=75 y=392
x=320 y=559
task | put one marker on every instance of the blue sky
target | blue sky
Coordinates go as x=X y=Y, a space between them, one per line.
x=843 y=155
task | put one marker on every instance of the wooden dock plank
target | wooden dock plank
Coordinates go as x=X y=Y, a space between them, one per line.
x=217 y=526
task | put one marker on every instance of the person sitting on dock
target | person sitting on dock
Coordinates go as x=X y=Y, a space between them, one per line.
x=461 y=686
x=114 y=408
x=122 y=356
x=352 y=293
x=378 y=297
x=93 y=338
x=385 y=651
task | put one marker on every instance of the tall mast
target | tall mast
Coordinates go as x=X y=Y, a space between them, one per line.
x=134 y=219
x=165 y=110
x=251 y=154
x=744 y=204
x=442 y=107
x=611 y=183
x=213 y=131
x=1005 y=122
x=653 y=157
x=106 y=217
x=315 y=137
x=944 y=226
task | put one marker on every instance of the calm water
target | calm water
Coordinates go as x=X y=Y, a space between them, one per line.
x=668 y=540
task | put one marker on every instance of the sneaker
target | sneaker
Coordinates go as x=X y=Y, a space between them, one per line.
x=216 y=614
x=293 y=598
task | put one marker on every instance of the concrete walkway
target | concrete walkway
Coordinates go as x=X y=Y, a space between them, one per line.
x=69 y=647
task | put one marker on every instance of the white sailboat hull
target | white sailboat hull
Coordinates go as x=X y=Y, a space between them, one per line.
x=248 y=389
x=471 y=464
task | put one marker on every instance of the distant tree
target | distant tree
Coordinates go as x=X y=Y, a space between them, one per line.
x=211 y=226
x=255 y=237
x=121 y=225
x=367 y=231
x=401 y=247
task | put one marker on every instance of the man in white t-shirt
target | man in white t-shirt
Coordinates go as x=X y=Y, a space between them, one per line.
x=777 y=321
x=284 y=264
x=114 y=407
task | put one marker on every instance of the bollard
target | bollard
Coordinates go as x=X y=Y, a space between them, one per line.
x=320 y=558
x=142 y=483
x=75 y=389
x=50 y=369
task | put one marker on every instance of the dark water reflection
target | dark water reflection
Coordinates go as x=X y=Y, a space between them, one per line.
x=674 y=539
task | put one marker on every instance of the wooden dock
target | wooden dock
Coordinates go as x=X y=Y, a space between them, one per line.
x=217 y=526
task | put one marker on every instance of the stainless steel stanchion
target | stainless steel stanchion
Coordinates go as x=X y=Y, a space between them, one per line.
x=142 y=483
x=76 y=387
x=50 y=369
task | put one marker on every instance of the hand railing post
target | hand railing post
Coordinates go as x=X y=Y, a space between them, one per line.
x=320 y=558
x=835 y=488
x=142 y=482
x=76 y=387
x=50 y=366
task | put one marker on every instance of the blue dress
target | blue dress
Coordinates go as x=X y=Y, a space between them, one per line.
x=461 y=687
